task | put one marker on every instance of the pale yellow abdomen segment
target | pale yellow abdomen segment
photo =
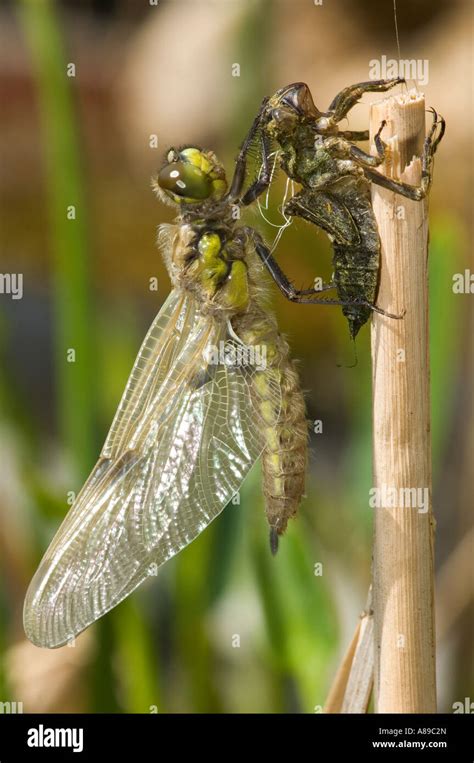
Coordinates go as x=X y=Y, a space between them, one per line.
x=284 y=457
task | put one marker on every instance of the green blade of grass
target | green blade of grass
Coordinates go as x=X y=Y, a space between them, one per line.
x=64 y=188
x=136 y=660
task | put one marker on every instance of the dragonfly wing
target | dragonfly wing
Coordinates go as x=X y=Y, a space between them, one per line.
x=185 y=435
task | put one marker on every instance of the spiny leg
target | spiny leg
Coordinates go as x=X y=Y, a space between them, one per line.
x=347 y=98
x=438 y=119
x=238 y=179
x=324 y=287
x=416 y=193
x=262 y=182
x=302 y=296
x=366 y=159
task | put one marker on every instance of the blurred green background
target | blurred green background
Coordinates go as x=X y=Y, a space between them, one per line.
x=224 y=627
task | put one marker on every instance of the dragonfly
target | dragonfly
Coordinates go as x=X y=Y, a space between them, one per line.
x=212 y=390
x=335 y=175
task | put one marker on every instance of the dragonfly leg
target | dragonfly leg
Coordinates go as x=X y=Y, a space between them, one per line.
x=367 y=160
x=347 y=98
x=262 y=182
x=416 y=193
x=238 y=179
x=302 y=296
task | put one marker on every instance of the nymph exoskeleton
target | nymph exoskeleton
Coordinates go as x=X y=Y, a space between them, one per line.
x=335 y=176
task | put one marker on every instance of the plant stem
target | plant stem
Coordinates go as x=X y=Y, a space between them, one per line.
x=403 y=540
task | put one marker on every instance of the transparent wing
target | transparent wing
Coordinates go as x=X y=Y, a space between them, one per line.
x=184 y=437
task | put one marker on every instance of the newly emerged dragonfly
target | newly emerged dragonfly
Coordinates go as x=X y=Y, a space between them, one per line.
x=335 y=176
x=212 y=390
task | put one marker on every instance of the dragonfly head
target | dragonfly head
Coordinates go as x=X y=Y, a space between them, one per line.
x=191 y=176
x=289 y=107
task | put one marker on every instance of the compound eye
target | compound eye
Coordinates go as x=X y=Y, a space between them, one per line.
x=185 y=180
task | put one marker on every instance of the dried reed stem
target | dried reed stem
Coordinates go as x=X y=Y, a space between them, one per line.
x=403 y=538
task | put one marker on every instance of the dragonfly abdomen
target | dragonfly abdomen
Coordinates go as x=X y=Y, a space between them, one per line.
x=285 y=455
x=284 y=425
